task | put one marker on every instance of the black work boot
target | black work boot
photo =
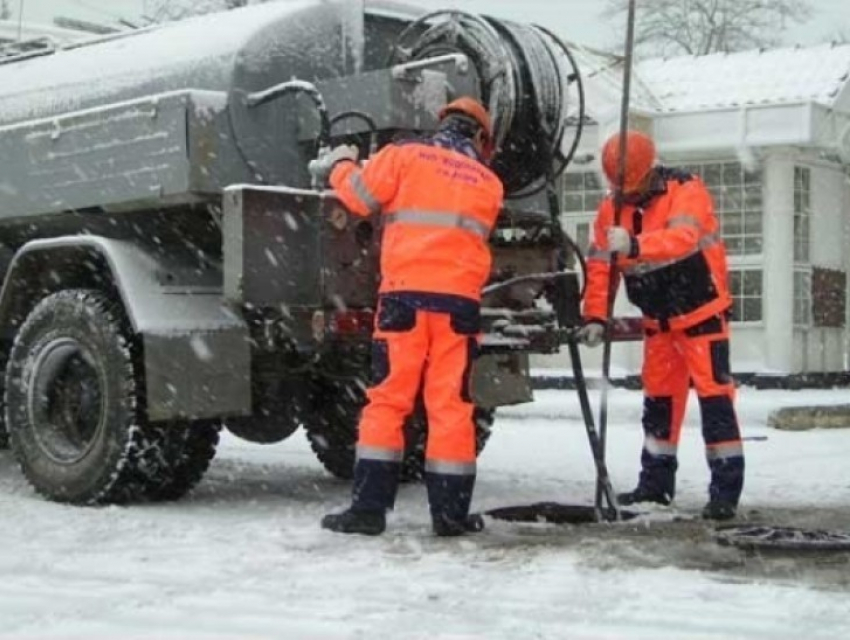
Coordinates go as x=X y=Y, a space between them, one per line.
x=367 y=523
x=445 y=527
x=449 y=497
x=373 y=493
x=641 y=494
x=719 y=510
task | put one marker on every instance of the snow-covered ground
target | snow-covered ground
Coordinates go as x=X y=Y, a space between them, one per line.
x=243 y=556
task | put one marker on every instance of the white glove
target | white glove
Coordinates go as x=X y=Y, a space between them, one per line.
x=321 y=167
x=591 y=334
x=619 y=240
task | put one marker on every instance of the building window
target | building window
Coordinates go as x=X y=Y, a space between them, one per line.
x=737 y=194
x=583 y=236
x=802 y=297
x=747 y=292
x=582 y=191
x=802 y=214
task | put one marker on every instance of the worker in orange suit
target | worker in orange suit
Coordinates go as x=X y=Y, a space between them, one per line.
x=668 y=249
x=439 y=203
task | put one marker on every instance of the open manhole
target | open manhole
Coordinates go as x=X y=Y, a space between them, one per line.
x=556 y=513
x=758 y=537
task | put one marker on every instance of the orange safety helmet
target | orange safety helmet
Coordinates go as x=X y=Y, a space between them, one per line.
x=474 y=109
x=640 y=157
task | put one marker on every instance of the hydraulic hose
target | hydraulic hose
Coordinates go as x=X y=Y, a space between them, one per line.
x=364 y=117
x=264 y=96
x=520 y=74
x=258 y=98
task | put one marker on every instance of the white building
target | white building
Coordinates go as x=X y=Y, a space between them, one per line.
x=769 y=132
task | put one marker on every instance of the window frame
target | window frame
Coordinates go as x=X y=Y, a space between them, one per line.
x=802 y=296
x=737 y=186
x=739 y=300
x=589 y=192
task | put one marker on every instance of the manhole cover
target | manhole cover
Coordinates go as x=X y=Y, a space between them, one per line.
x=783 y=538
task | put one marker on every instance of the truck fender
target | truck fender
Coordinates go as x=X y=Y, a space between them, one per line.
x=196 y=350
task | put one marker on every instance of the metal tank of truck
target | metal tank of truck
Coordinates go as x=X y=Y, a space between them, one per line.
x=169 y=270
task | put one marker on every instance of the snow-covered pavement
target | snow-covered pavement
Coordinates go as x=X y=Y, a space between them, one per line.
x=243 y=556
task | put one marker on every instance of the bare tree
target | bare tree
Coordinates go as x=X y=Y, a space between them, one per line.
x=677 y=27
x=842 y=36
x=5 y=11
x=167 y=10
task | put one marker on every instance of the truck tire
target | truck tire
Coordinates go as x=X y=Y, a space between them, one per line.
x=331 y=427
x=332 y=431
x=72 y=402
x=278 y=412
x=4 y=432
x=188 y=451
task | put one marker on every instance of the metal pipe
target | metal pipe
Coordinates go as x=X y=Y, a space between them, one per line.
x=460 y=60
x=612 y=264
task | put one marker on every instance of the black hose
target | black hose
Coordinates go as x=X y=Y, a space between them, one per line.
x=258 y=98
x=475 y=38
x=575 y=76
x=360 y=115
x=520 y=75
x=297 y=86
x=366 y=118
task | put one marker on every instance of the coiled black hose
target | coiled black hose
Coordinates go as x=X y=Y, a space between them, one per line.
x=521 y=73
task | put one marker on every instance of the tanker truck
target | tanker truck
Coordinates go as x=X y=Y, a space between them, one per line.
x=169 y=271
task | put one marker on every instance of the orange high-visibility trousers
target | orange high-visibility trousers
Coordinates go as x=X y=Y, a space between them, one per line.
x=433 y=354
x=672 y=361
x=428 y=342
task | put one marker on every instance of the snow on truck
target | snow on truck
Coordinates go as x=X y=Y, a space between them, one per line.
x=168 y=269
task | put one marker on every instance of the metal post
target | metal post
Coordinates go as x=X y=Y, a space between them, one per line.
x=612 y=265
x=20 y=19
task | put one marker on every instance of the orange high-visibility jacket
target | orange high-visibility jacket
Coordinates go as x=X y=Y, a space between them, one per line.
x=679 y=276
x=438 y=208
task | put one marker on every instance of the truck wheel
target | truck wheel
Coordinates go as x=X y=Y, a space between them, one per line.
x=71 y=402
x=332 y=425
x=4 y=433
x=187 y=451
x=332 y=432
x=278 y=411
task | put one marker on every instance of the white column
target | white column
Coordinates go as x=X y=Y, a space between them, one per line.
x=778 y=266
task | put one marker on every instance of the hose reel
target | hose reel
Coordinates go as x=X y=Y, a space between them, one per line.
x=524 y=74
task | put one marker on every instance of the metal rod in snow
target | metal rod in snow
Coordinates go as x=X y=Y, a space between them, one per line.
x=612 y=264
x=20 y=19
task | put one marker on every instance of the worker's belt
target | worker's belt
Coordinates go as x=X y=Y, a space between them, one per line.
x=439 y=219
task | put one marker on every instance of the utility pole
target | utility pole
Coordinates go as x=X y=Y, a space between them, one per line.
x=20 y=19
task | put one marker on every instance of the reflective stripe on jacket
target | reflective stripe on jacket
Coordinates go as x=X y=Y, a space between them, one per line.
x=439 y=207
x=679 y=277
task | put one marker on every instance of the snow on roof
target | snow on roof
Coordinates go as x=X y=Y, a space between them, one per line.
x=602 y=76
x=758 y=77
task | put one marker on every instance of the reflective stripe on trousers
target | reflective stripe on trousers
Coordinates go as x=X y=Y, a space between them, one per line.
x=671 y=361
x=399 y=362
